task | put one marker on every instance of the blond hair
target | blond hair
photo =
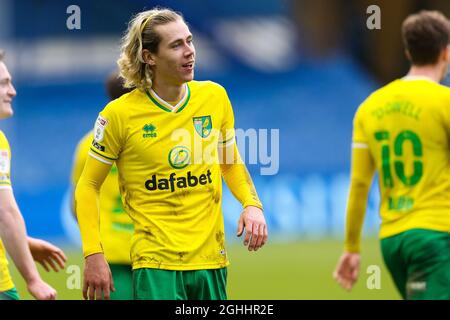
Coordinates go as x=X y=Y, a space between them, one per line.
x=140 y=35
x=2 y=55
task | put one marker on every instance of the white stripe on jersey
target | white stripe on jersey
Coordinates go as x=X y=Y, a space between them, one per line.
x=98 y=158
x=359 y=145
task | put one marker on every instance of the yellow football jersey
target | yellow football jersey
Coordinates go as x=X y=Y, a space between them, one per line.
x=116 y=228
x=5 y=183
x=406 y=126
x=169 y=173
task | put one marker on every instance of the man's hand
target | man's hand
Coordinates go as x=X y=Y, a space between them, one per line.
x=97 y=278
x=47 y=254
x=252 y=219
x=347 y=270
x=41 y=290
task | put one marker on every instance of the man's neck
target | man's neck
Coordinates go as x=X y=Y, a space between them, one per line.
x=169 y=93
x=432 y=72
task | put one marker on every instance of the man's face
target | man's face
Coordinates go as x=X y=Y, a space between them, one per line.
x=7 y=92
x=174 y=62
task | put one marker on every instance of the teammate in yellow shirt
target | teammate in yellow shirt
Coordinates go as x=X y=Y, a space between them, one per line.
x=172 y=140
x=12 y=227
x=402 y=131
x=116 y=228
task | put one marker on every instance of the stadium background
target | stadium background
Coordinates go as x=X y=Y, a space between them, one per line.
x=302 y=67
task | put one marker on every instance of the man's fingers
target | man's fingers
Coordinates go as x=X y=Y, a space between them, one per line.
x=254 y=237
x=355 y=273
x=259 y=242
x=106 y=291
x=52 y=264
x=44 y=265
x=60 y=259
x=265 y=235
x=92 y=291
x=85 y=290
x=248 y=233
x=98 y=292
x=61 y=254
x=240 y=228
x=111 y=283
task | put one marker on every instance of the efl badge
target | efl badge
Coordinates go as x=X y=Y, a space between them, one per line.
x=99 y=130
x=4 y=161
x=203 y=125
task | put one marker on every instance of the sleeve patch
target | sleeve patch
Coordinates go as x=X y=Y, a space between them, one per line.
x=4 y=161
x=99 y=130
x=98 y=146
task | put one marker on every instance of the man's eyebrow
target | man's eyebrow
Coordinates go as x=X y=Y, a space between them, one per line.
x=180 y=39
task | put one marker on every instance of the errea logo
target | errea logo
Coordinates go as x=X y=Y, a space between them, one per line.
x=149 y=131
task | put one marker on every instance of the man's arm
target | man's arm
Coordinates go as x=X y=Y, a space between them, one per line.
x=13 y=234
x=79 y=160
x=97 y=275
x=362 y=171
x=240 y=183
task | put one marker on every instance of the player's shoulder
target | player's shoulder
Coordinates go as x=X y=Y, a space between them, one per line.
x=384 y=90
x=206 y=85
x=379 y=94
x=3 y=139
x=87 y=138
x=118 y=105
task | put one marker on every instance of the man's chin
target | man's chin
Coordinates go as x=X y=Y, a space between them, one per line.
x=189 y=77
x=7 y=113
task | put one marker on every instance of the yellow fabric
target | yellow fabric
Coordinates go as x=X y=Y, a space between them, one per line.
x=362 y=171
x=169 y=175
x=87 y=206
x=238 y=179
x=5 y=182
x=116 y=227
x=406 y=127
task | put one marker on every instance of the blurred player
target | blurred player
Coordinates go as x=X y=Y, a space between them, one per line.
x=171 y=191
x=403 y=132
x=116 y=228
x=12 y=227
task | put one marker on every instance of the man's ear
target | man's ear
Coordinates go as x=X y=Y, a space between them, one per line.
x=408 y=55
x=447 y=53
x=148 y=57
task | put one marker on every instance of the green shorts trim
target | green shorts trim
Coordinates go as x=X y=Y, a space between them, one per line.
x=419 y=263
x=9 y=295
x=123 y=281
x=158 y=284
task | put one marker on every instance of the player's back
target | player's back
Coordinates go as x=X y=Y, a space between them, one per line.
x=406 y=126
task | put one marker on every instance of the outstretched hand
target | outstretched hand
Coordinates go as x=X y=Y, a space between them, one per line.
x=47 y=254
